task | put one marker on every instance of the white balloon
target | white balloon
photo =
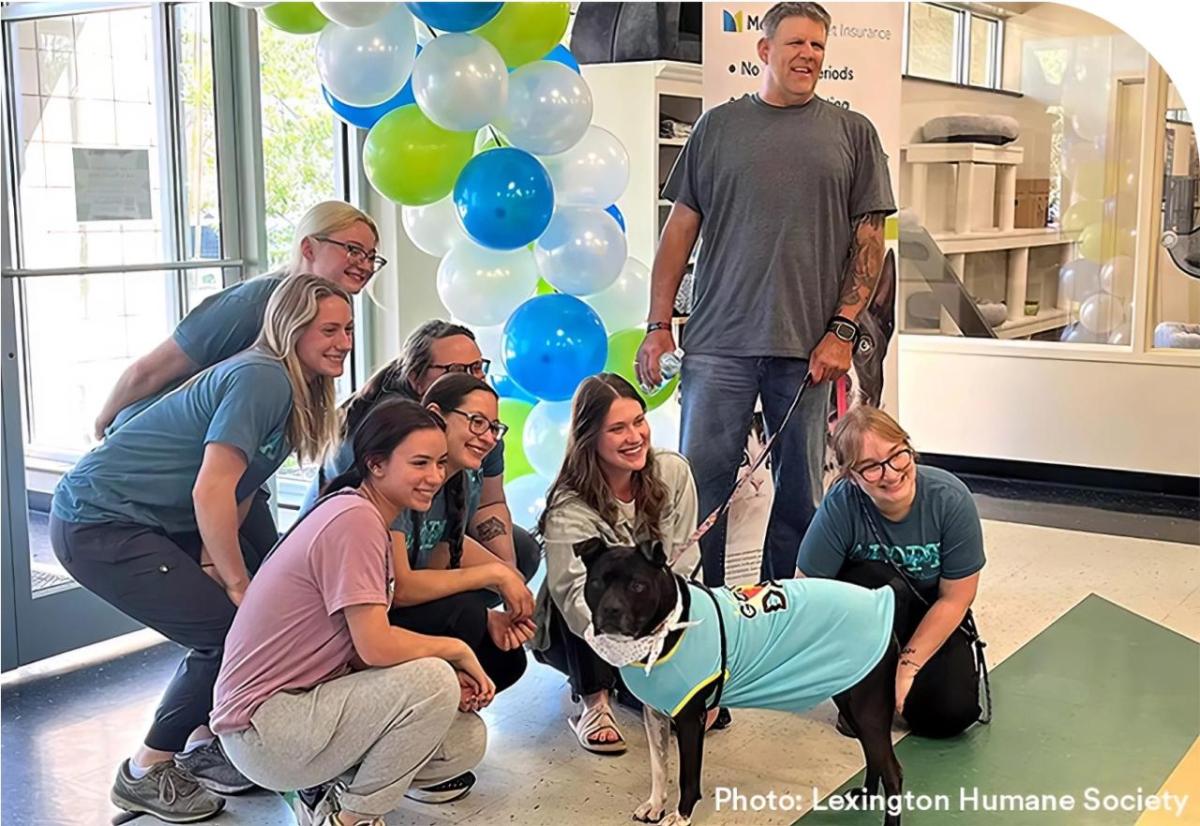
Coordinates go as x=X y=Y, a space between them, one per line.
x=545 y=437
x=433 y=228
x=483 y=286
x=626 y=303
x=526 y=497
x=664 y=425
x=490 y=341
x=549 y=108
x=460 y=82
x=368 y=65
x=593 y=172
x=1121 y=335
x=1101 y=313
x=354 y=15
x=1079 y=278
x=1116 y=276
x=582 y=251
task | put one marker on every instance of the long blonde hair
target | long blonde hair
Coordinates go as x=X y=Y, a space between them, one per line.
x=312 y=423
x=325 y=218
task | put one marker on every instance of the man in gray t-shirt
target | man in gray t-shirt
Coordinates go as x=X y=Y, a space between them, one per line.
x=789 y=192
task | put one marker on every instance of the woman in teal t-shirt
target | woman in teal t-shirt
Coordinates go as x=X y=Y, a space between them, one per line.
x=887 y=516
x=133 y=521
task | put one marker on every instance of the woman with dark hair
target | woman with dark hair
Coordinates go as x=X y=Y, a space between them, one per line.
x=442 y=574
x=436 y=349
x=316 y=683
x=612 y=485
x=887 y=516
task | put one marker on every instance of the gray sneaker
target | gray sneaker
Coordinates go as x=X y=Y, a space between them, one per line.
x=211 y=767
x=167 y=792
x=324 y=807
x=452 y=789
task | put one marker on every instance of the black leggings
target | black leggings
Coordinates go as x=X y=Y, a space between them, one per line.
x=464 y=617
x=944 y=698
x=572 y=656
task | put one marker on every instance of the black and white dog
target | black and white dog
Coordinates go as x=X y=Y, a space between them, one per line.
x=684 y=649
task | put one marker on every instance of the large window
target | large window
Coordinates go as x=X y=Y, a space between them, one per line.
x=953 y=45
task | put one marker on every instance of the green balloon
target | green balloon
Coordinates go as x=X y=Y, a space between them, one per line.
x=544 y=287
x=514 y=412
x=411 y=160
x=295 y=18
x=622 y=353
x=525 y=32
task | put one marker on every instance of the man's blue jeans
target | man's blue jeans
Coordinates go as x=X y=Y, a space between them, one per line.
x=719 y=393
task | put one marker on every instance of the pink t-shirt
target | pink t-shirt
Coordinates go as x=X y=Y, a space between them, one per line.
x=290 y=632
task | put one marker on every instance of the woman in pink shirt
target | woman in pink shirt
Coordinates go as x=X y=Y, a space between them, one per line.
x=316 y=688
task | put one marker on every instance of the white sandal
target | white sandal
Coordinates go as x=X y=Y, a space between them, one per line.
x=592 y=721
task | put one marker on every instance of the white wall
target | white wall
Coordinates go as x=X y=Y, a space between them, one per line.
x=1102 y=414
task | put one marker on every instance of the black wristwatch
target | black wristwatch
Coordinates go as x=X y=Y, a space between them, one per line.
x=844 y=329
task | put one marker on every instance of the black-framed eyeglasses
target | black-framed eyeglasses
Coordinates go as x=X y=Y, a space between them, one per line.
x=480 y=424
x=479 y=369
x=357 y=254
x=899 y=461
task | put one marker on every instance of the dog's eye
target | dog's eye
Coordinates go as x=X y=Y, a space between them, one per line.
x=637 y=587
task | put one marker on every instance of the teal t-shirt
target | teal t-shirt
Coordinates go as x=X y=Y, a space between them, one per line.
x=144 y=473
x=222 y=326
x=940 y=538
x=433 y=521
x=790 y=645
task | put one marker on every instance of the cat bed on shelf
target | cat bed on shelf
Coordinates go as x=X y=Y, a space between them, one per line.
x=1177 y=335
x=996 y=130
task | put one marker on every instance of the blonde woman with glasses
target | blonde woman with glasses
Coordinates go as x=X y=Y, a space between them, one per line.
x=888 y=517
x=135 y=520
x=333 y=240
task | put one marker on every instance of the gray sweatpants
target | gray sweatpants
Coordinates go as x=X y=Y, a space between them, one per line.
x=387 y=727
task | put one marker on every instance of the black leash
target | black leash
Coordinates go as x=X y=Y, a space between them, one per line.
x=966 y=626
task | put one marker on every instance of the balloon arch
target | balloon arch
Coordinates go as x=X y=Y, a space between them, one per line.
x=479 y=126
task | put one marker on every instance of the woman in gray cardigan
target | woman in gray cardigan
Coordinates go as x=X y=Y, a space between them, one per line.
x=612 y=485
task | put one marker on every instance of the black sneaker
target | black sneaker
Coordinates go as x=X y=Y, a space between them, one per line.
x=165 y=791
x=211 y=767
x=452 y=789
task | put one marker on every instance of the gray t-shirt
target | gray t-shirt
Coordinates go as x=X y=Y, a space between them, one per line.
x=777 y=189
x=941 y=537
x=144 y=473
x=222 y=326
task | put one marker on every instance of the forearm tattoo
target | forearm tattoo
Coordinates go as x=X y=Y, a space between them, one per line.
x=865 y=262
x=907 y=660
x=489 y=529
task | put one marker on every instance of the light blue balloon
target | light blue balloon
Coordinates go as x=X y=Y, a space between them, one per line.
x=504 y=198
x=553 y=342
x=454 y=17
x=582 y=251
x=364 y=117
x=545 y=438
x=616 y=213
x=526 y=498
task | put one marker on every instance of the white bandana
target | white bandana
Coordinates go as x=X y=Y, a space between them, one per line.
x=620 y=650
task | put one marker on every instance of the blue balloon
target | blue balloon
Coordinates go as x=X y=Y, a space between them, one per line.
x=454 y=17
x=561 y=54
x=553 y=342
x=616 y=213
x=364 y=117
x=509 y=389
x=504 y=198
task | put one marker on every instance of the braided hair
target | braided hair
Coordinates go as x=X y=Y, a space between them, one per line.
x=447 y=393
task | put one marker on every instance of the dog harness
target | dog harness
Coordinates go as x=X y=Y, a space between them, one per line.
x=786 y=645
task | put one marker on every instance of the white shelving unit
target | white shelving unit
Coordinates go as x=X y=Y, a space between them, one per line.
x=964 y=238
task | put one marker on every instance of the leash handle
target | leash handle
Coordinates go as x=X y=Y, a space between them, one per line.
x=721 y=509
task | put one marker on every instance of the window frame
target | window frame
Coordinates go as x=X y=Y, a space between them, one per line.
x=961 y=48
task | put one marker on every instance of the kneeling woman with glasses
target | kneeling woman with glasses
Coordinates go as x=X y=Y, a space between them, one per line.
x=447 y=583
x=889 y=517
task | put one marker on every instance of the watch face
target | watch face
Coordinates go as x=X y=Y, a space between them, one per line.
x=843 y=331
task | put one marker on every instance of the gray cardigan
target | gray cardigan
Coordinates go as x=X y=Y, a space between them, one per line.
x=571 y=521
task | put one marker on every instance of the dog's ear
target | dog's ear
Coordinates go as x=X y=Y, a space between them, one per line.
x=654 y=552
x=589 y=549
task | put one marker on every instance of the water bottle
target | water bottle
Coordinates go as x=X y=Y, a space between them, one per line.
x=669 y=364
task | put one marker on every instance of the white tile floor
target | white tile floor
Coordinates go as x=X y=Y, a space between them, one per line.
x=536 y=774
